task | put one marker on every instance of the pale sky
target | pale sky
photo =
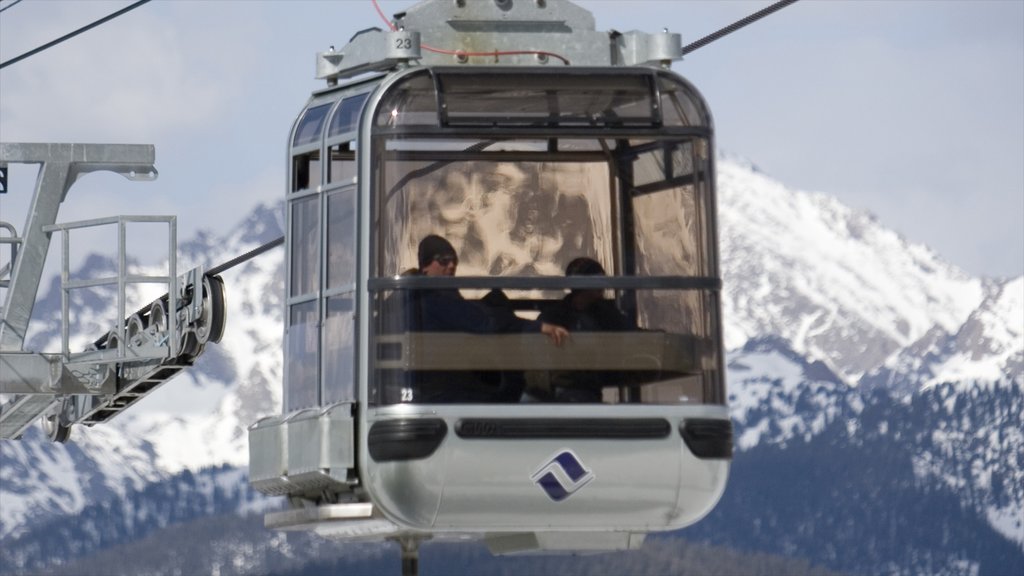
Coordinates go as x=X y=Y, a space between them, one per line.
x=912 y=110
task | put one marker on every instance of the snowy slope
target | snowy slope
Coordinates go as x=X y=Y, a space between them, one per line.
x=990 y=345
x=833 y=282
x=39 y=479
x=776 y=396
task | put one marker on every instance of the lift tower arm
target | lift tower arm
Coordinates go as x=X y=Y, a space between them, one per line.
x=141 y=351
x=61 y=166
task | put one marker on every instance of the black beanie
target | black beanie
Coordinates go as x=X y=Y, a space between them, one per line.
x=433 y=246
x=584 y=266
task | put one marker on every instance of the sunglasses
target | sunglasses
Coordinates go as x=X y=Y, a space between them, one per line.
x=446 y=259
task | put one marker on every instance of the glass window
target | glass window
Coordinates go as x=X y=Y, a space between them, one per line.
x=663 y=354
x=305 y=244
x=303 y=343
x=517 y=211
x=669 y=210
x=346 y=118
x=341 y=238
x=503 y=218
x=339 y=350
x=668 y=232
x=516 y=98
x=568 y=99
x=412 y=103
x=681 y=105
x=343 y=163
x=311 y=125
x=661 y=162
x=306 y=171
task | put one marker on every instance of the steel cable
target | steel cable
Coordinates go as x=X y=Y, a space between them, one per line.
x=736 y=26
x=71 y=35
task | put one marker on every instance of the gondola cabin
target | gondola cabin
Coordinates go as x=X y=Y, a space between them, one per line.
x=420 y=404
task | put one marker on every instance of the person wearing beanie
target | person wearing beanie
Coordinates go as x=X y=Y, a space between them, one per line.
x=582 y=310
x=445 y=310
x=437 y=257
x=587 y=310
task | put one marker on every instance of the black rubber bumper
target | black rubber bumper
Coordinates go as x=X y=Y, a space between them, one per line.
x=708 y=438
x=406 y=439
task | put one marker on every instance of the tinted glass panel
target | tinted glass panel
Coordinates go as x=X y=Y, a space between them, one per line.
x=681 y=105
x=514 y=99
x=343 y=163
x=503 y=218
x=341 y=238
x=526 y=218
x=663 y=162
x=592 y=99
x=303 y=343
x=668 y=233
x=671 y=211
x=411 y=103
x=311 y=125
x=305 y=244
x=628 y=346
x=346 y=118
x=339 y=350
x=517 y=211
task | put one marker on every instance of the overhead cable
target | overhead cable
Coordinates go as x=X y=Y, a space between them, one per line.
x=72 y=34
x=245 y=257
x=737 y=25
x=11 y=5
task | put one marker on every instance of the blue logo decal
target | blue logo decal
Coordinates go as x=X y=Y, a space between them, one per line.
x=562 y=476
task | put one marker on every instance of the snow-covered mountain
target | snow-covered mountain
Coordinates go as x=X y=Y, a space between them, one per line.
x=822 y=306
x=843 y=289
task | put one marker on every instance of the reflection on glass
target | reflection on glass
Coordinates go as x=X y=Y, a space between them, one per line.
x=343 y=163
x=593 y=99
x=680 y=105
x=521 y=209
x=668 y=356
x=413 y=102
x=305 y=243
x=667 y=242
x=303 y=339
x=341 y=238
x=504 y=218
x=311 y=125
x=339 y=350
x=541 y=100
x=346 y=118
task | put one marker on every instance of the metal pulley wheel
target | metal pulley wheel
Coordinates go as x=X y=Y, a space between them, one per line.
x=158 y=316
x=133 y=331
x=210 y=324
x=112 y=340
x=54 y=423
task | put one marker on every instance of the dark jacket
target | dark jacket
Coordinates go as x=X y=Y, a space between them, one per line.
x=448 y=311
x=602 y=316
